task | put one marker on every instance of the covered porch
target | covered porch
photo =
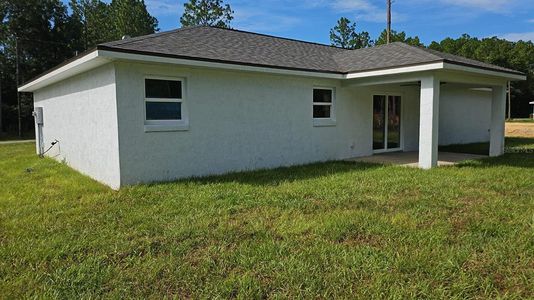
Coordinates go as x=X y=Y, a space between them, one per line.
x=473 y=110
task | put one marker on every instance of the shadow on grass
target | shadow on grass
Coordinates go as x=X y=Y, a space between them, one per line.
x=273 y=177
x=512 y=145
x=519 y=160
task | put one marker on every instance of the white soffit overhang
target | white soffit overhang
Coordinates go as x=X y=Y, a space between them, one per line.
x=85 y=63
x=97 y=58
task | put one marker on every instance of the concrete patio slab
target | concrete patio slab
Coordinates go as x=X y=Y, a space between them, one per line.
x=410 y=159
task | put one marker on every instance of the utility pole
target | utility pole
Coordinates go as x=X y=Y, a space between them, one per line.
x=388 y=31
x=509 y=100
x=17 y=86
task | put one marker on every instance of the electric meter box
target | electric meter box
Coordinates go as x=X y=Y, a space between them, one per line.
x=38 y=115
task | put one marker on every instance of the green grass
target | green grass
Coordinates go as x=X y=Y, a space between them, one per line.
x=512 y=145
x=348 y=230
x=527 y=120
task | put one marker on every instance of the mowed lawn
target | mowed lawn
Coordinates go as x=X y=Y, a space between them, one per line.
x=325 y=230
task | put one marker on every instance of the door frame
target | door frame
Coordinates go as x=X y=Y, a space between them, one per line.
x=401 y=130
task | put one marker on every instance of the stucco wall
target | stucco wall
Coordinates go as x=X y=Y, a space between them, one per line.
x=81 y=113
x=465 y=115
x=238 y=121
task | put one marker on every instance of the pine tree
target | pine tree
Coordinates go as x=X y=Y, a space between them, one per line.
x=344 y=35
x=131 y=17
x=207 y=13
x=398 y=37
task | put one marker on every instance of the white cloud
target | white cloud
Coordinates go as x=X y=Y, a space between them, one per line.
x=353 y=5
x=164 y=7
x=365 y=10
x=484 y=5
x=257 y=20
x=517 y=36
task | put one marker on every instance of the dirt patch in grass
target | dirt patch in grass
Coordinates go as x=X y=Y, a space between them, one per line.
x=361 y=239
x=520 y=129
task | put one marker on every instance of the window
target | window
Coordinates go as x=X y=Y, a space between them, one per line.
x=164 y=105
x=323 y=106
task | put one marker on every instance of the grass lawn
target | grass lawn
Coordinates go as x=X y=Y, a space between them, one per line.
x=512 y=145
x=327 y=230
x=527 y=120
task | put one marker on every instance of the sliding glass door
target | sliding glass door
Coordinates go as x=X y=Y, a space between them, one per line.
x=386 y=122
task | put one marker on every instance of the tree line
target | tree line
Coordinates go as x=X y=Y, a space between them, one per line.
x=36 y=35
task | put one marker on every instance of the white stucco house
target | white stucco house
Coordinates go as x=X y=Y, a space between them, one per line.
x=203 y=100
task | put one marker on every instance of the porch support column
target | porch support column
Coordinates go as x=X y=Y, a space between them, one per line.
x=498 y=110
x=429 y=122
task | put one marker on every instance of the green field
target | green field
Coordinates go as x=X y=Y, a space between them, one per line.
x=520 y=120
x=337 y=229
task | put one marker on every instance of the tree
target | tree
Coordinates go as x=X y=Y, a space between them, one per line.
x=130 y=17
x=344 y=35
x=207 y=13
x=100 y=22
x=35 y=31
x=42 y=34
x=91 y=19
x=398 y=37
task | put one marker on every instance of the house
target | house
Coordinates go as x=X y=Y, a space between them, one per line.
x=203 y=100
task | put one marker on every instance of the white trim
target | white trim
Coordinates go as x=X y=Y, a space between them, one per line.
x=469 y=69
x=402 y=120
x=181 y=124
x=100 y=57
x=82 y=64
x=330 y=121
x=394 y=71
x=158 y=128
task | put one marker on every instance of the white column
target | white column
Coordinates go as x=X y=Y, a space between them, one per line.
x=498 y=110
x=429 y=122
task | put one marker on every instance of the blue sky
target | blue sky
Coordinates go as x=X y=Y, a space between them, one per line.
x=311 y=20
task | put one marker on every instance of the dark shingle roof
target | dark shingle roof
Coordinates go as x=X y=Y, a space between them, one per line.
x=239 y=47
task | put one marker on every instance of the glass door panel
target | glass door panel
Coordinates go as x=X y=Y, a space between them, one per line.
x=379 y=122
x=386 y=122
x=394 y=122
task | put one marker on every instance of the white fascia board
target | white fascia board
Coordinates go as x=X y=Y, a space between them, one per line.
x=468 y=69
x=101 y=57
x=215 y=65
x=435 y=66
x=85 y=63
x=394 y=71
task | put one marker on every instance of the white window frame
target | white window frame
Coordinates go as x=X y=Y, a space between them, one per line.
x=401 y=144
x=167 y=125
x=331 y=121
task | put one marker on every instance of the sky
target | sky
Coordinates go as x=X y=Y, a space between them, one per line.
x=311 y=20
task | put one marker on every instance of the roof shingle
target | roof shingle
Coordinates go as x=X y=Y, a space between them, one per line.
x=239 y=47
